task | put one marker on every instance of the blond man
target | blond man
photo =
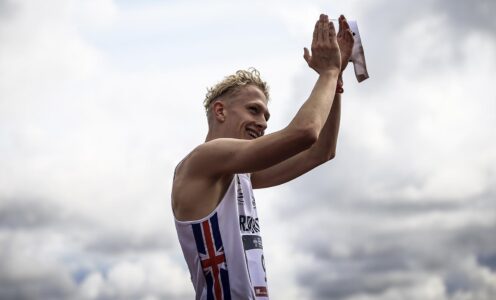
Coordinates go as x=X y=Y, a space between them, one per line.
x=212 y=194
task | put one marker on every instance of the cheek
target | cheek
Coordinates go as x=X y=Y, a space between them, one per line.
x=243 y=116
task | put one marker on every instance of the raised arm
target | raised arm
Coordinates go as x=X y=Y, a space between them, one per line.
x=325 y=147
x=228 y=156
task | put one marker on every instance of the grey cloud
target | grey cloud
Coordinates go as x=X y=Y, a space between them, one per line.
x=25 y=274
x=113 y=243
x=7 y=9
x=488 y=260
x=37 y=214
x=389 y=16
x=373 y=250
x=28 y=213
x=371 y=259
x=475 y=15
x=363 y=247
x=375 y=254
x=27 y=227
x=30 y=270
x=48 y=286
x=388 y=19
x=479 y=240
x=378 y=262
x=346 y=286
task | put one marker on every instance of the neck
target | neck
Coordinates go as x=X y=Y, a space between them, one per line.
x=217 y=133
x=211 y=136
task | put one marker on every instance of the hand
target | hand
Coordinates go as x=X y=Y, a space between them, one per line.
x=325 y=56
x=345 y=41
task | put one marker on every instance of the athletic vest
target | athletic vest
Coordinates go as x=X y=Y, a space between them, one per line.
x=224 y=250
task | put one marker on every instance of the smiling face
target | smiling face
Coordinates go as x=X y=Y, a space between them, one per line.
x=243 y=114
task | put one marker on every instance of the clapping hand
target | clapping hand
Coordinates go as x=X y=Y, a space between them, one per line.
x=325 y=57
x=345 y=41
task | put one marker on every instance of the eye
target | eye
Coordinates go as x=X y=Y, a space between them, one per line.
x=253 y=109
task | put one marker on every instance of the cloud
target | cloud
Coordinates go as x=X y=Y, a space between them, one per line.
x=153 y=277
x=16 y=213
x=96 y=100
x=405 y=210
x=26 y=272
x=71 y=227
x=465 y=16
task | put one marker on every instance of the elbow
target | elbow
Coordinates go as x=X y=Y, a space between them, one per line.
x=303 y=137
x=305 y=134
x=331 y=156
x=308 y=136
x=323 y=158
x=331 y=153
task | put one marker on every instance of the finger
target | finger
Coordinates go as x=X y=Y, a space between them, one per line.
x=332 y=31
x=340 y=31
x=320 y=36
x=315 y=34
x=330 y=35
x=306 y=55
x=325 y=30
x=346 y=26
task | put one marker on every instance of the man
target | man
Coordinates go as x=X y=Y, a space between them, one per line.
x=212 y=198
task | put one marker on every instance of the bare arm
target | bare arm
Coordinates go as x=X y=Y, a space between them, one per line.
x=325 y=147
x=322 y=151
x=228 y=156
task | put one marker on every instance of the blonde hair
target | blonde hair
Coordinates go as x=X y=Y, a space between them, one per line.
x=233 y=82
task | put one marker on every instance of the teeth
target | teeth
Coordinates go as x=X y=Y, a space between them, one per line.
x=252 y=133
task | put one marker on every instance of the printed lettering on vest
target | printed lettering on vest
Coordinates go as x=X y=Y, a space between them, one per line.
x=248 y=224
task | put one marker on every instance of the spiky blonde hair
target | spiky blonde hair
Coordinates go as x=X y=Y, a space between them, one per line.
x=233 y=82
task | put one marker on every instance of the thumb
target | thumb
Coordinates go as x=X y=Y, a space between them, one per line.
x=306 y=54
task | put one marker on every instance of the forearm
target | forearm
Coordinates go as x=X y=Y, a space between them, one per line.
x=315 y=111
x=320 y=152
x=325 y=147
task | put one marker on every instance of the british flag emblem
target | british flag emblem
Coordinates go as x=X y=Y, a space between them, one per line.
x=212 y=257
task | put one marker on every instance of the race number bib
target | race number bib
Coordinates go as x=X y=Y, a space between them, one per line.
x=256 y=264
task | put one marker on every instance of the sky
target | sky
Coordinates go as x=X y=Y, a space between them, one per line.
x=99 y=100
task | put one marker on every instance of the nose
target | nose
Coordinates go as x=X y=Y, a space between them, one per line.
x=261 y=125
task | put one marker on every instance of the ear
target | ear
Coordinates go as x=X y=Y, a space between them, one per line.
x=219 y=111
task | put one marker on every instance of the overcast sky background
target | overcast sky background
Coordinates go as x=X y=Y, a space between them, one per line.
x=99 y=100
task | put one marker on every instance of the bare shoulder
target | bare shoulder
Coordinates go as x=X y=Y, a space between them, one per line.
x=204 y=175
x=195 y=193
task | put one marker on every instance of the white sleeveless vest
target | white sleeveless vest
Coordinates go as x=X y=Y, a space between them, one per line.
x=224 y=250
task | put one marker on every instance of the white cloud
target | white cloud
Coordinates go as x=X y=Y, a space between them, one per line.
x=100 y=100
x=150 y=276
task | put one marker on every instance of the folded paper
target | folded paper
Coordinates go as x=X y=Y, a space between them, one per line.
x=357 y=54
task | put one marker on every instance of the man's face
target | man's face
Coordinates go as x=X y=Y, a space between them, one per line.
x=247 y=113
